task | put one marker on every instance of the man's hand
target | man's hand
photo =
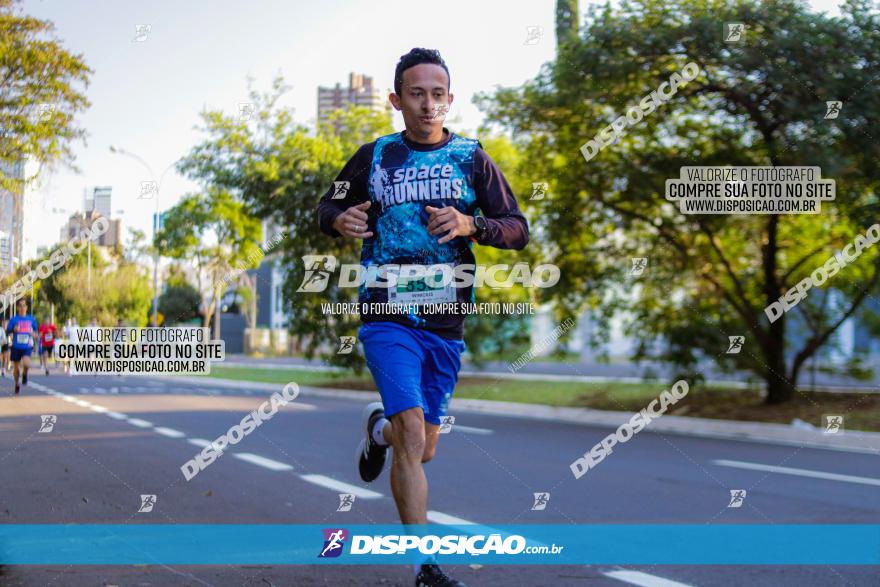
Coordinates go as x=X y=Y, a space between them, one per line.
x=451 y=221
x=353 y=222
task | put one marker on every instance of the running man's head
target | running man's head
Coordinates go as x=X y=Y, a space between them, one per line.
x=22 y=307
x=421 y=86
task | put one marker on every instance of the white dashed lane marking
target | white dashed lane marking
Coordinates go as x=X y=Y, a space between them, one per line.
x=139 y=423
x=642 y=579
x=262 y=461
x=169 y=432
x=340 y=486
x=798 y=472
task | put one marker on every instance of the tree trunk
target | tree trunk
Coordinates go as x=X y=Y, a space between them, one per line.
x=779 y=387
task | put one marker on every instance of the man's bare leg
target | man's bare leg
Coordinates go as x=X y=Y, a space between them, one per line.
x=414 y=442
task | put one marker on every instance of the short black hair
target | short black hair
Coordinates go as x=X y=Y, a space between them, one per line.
x=417 y=56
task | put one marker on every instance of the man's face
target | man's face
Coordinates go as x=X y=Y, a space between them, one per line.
x=423 y=91
x=22 y=308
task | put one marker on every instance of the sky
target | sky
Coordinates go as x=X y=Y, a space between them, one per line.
x=147 y=95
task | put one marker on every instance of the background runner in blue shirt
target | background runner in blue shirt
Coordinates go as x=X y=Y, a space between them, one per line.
x=22 y=331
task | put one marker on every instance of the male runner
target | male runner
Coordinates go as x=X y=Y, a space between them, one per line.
x=48 y=332
x=413 y=199
x=23 y=329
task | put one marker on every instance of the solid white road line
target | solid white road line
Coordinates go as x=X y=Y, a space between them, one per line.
x=642 y=579
x=798 y=472
x=169 y=432
x=262 y=461
x=82 y=404
x=99 y=409
x=341 y=486
x=139 y=423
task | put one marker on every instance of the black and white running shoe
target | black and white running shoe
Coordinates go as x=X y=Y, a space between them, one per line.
x=371 y=455
x=432 y=575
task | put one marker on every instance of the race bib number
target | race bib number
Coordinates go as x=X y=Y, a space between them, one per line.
x=428 y=289
x=23 y=338
x=48 y=337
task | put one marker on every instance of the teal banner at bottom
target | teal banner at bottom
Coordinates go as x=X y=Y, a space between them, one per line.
x=307 y=544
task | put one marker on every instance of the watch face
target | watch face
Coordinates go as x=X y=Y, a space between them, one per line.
x=480 y=223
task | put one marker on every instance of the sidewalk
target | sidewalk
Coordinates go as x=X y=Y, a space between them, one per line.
x=582 y=372
x=864 y=442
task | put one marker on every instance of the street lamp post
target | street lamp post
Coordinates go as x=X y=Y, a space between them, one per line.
x=121 y=151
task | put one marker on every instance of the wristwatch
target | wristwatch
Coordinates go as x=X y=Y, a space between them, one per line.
x=481 y=226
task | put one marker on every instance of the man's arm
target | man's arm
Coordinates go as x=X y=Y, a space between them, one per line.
x=506 y=228
x=356 y=172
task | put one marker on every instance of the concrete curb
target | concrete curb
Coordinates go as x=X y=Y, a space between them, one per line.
x=863 y=442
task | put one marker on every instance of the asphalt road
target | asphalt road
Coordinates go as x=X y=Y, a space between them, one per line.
x=116 y=438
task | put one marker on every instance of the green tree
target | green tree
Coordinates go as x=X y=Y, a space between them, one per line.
x=757 y=102
x=179 y=303
x=120 y=292
x=39 y=93
x=218 y=233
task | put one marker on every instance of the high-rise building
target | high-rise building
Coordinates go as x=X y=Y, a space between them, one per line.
x=360 y=92
x=98 y=200
x=12 y=213
x=6 y=265
x=79 y=222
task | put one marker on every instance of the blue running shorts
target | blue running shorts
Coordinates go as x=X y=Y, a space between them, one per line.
x=412 y=368
x=17 y=353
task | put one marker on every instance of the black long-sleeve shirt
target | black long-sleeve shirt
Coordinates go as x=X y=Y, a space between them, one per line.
x=400 y=177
